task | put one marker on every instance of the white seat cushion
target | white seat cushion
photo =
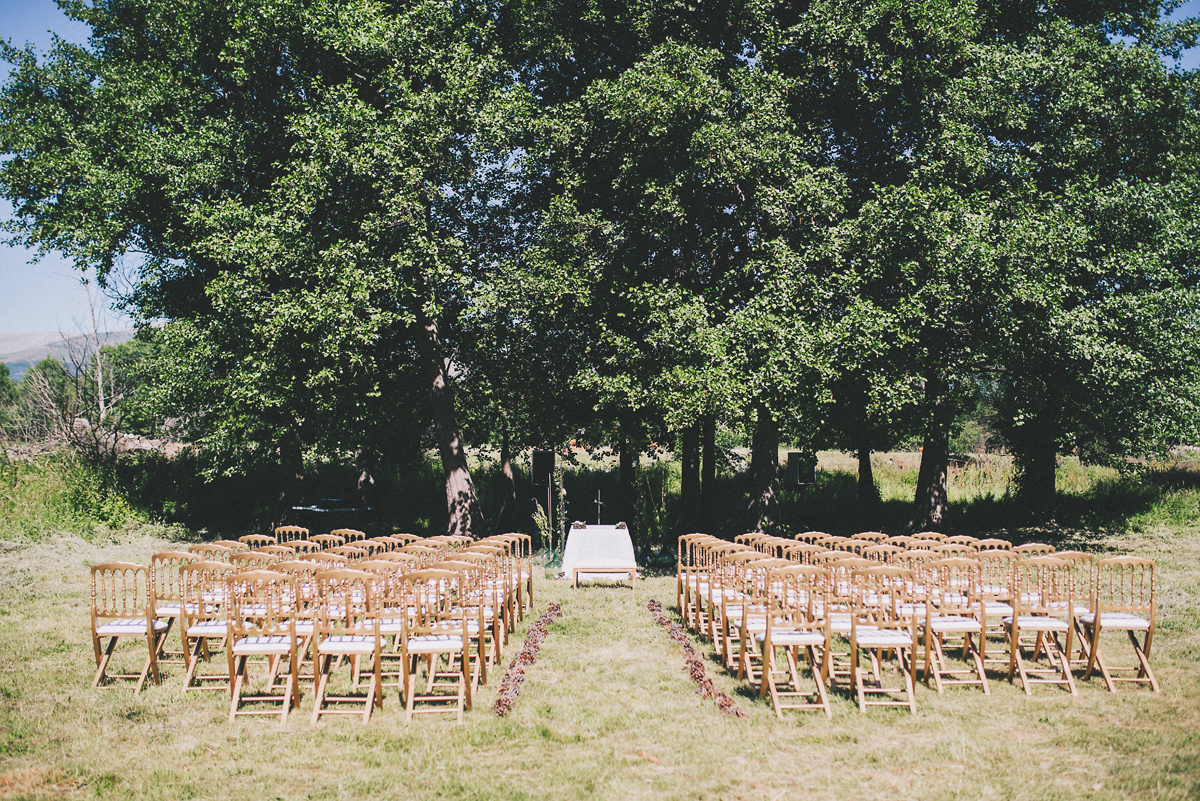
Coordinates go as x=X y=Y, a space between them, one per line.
x=166 y=610
x=1123 y=621
x=790 y=638
x=435 y=644
x=1038 y=623
x=347 y=644
x=274 y=644
x=883 y=638
x=209 y=628
x=954 y=623
x=127 y=626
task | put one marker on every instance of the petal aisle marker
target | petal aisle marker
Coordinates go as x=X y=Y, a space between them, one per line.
x=514 y=676
x=693 y=664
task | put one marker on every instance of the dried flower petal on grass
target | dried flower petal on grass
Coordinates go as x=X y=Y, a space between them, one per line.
x=514 y=676
x=693 y=664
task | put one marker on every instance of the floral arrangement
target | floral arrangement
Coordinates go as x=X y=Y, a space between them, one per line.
x=514 y=676
x=579 y=524
x=693 y=664
x=622 y=525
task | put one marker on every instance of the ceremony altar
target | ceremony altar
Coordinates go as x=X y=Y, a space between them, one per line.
x=596 y=552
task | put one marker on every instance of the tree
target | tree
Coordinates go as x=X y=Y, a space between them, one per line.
x=295 y=177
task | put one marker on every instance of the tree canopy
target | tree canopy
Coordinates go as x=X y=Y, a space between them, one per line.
x=827 y=223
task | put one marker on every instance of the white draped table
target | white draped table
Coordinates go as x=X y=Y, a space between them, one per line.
x=596 y=552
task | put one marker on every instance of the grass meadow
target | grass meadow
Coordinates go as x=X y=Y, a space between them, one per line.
x=607 y=711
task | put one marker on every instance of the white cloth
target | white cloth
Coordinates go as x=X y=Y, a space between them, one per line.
x=598 y=546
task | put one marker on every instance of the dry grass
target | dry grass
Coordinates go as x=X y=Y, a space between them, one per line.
x=606 y=711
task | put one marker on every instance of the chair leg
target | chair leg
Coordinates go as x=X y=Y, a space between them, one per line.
x=235 y=687
x=102 y=660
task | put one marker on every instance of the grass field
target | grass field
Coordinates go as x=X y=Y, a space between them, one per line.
x=606 y=712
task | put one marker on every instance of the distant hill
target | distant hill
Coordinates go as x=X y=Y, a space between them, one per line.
x=22 y=351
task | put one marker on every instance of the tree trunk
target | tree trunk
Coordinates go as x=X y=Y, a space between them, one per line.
x=867 y=492
x=461 y=502
x=507 y=520
x=291 y=479
x=1036 y=453
x=764 y=473
x=689 y=487
x=365 y=462
x=929 y=505
x=627 y=509
x=708 y=476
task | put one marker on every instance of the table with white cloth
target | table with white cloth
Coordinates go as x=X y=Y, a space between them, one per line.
x=596 y=552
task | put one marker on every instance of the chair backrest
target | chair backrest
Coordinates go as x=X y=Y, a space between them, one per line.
x=328 y=561
x=304 y=546
x=349 y=534
x=1083 y=576
x=262 y=603
x=802 y=552
x=280 y=551
x=257 y=541
x=351 y=552
x=930 y=535
x=872 y=536
x=951 y=550
x=237 y=546
x=1043 y=586
x=121 y=590
x=211 y=552
x=914 y=559
x=997 y=573
x=164 y=573
x=749 y=538
x=252 y=560
x=994 y=544
x=954 y=586
x=880 y=593
x=407 y=538
x=346 y=602
x=810 y=536
x=798 y=592
x=205 y=590
x=1033 y=549
x=905 y=542
x=881 y=553
x=286 y=534
x=327 y=541
x=425 y=553
x=962 y=539
x=1125 y=584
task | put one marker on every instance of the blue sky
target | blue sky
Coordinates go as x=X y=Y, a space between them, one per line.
x=48 y=296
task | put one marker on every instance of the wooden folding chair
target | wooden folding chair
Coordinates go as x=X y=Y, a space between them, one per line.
x=205 y=591
x=346 y=624
x=164 y=583
x=236 y=546
x=954 y=608
x=327 y=541
x=261 y=616
x=211 y=552
x=255 y=541
x=796 y=620
x=882 y=553
x=1043 y=605
x=123 y=606
x=749 y=618
x=1124 y=601
x=281 y=552
x=880 y=625
x=252 y=560
x=304 y=547
x=1031 y=549
x=351 y=552
x=434 y=628
x=997 y=573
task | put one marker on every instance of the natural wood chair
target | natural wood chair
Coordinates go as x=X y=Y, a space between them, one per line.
x=256 y=541
x=205 y=591
x=748 y=618
x=211 y=552
x=1124 y=601
x=261 y=617
x=997 y=573
x=481 y=614
x=796 y=621
x=871 y=536
x=810 y=536
x=434 y=628
x=408 y=539
x=521 y=549
x=723 y=580
x=285 y=535
x=878 y=626
x=930 y=535
x=237 y=546
x=962 y=539
x=905 y=542
x=372 y=547
x=304 y=547
x=748 y=539
x=693 y=571
x=427 y=554
x=346 y=624
x=1043 y=605
x=802 y=552
x=327 y=561
x=164 y=583
x=1083 y=592
x=389 y=543
x=327 y=541
x=123 y=606
x=954 y=609
x=349 y=534
x=955 y=550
